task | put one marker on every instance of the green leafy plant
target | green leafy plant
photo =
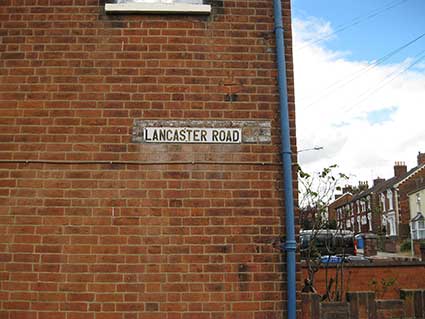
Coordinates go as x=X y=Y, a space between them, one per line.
x=406 y=245
x=381 y=287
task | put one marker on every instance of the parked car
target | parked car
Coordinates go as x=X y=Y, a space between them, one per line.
x=328 y=242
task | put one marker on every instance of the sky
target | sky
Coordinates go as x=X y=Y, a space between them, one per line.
x=359 y=84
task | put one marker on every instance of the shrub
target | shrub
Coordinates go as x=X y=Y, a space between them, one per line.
x=406 y=245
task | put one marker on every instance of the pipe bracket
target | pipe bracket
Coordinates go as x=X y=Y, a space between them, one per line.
x=290 y=245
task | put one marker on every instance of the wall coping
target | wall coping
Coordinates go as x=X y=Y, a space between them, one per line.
x=375 y=263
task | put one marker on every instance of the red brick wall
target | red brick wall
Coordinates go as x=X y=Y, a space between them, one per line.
x=364 y=305
x=85 y=238
x=362 y=278
x=340 y=201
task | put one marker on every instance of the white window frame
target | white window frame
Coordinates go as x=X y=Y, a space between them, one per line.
x=369 y=218
x=384 y=220
x=418 y=202
x=421 y=229
x=414 y=230
x=392 y=224
x=390 y=199
x=383 y=202
x=418 y=229
x=347 y=223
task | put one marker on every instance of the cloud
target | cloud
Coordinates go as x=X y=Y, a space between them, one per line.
x=365 y=115
x=311 y=29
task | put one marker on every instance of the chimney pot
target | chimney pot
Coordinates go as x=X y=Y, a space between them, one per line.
x=363 y=185
x=400 y=169
x=421 y=158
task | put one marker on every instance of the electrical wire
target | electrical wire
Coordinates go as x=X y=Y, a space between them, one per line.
x=391 y=77
x=357 y=21
x=343 y=82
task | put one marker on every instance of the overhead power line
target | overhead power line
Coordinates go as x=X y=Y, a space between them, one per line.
x=387 y=80
x=357 y=21
x=343 y=82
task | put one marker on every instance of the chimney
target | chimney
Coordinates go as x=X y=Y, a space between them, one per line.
x=421 y=158
x=378 y=181
x=363 y=185
x=400 y=169
x=346 y=189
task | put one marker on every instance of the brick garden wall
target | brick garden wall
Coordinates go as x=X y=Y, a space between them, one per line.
x=385 y=279
x=365 y=305
x=94 y=226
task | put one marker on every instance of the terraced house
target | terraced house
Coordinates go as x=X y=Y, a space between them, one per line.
x=145 y=159
x=384 y=207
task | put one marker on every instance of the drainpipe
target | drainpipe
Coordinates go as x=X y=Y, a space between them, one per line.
x=290 y=243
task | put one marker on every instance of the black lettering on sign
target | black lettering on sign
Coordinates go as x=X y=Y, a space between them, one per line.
x=196 y=135
x=176 y=136
x=192 y=135
x=203 y=136
x=215 y=136
x=147 y=138
x=162 y=135
x=155 y=135
x=182 y=135
x=236 y=135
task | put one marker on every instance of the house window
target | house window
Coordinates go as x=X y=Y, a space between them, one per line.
x=347 y=209
x=391 y=224
x=383 y=202
x=158 y=6
x=339 y=215
x=421 y=229
x=418 y=227
x=369 y=218
x=390 y=199
x=418 y=230
x=418 y=202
